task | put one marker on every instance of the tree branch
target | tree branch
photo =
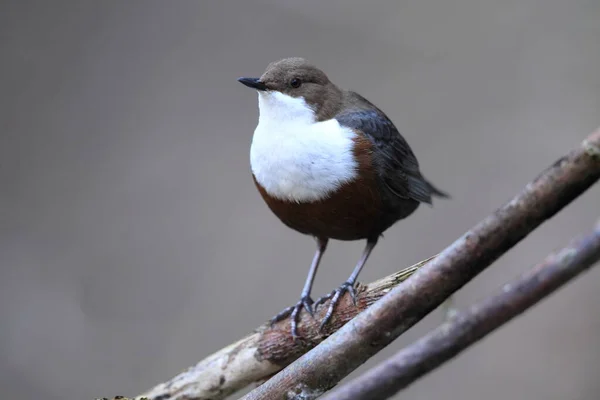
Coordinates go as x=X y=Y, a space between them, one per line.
x=268 y=350
x=322 y=368
x=449 y=339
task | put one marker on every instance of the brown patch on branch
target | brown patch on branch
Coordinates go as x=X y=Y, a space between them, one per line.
x=259 y=356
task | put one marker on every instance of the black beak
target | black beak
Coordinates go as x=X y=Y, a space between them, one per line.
x=253 y=83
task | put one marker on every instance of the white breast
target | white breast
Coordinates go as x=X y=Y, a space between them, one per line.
x=295 y=158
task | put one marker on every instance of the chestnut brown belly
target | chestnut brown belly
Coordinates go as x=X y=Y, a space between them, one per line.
x=353 y=212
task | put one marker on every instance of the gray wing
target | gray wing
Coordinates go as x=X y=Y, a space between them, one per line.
x=395 y=162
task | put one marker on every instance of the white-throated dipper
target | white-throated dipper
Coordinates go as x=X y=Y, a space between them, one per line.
x=329 y=164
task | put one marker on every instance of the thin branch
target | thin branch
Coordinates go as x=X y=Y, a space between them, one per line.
x=260 y=355
x=322 y=368
x=449 y=339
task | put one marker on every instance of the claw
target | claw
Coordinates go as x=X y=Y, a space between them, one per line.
x=294 y=313
x=323 y=299
x=335 y=297
x=307 y=303
x=352 y=294
x=281 y=316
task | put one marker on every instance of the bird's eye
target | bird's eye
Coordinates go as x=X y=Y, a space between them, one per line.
x=295 y=83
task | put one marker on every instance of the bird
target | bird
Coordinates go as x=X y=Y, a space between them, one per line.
x=329 y=164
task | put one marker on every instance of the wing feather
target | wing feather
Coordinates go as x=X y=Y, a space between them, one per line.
x=396 y=164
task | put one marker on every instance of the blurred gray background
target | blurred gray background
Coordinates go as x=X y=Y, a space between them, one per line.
x=133 y=242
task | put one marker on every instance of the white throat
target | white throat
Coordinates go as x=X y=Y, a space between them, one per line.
x=295 y=158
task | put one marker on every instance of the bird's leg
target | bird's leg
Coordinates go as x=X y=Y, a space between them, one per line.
x=306 y=301
x=347 y=286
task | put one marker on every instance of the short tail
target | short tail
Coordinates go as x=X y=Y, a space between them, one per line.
x=437 y=192
x=421 y=190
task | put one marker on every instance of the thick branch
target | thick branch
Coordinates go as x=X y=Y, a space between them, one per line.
x=322 y=368
x=449 y=339
x=268 y=350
